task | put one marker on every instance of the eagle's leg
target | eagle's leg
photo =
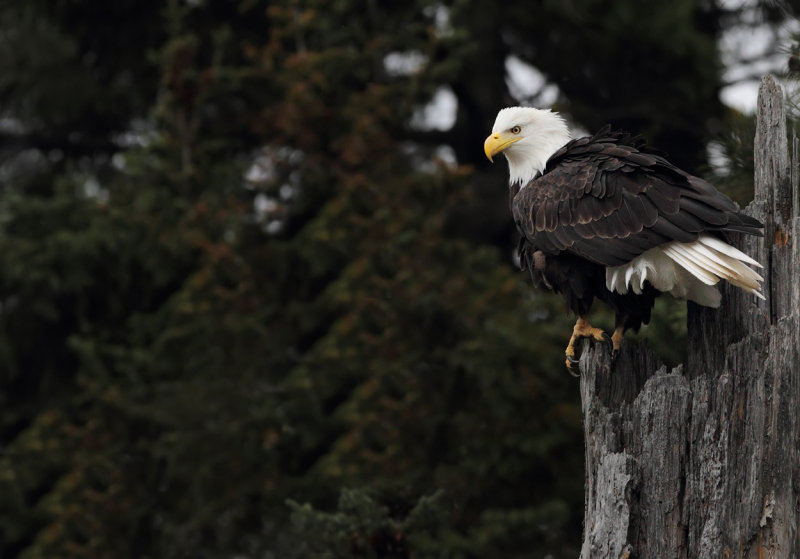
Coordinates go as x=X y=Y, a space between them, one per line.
x=621 y=324
x=582 y=329
x=616 y=339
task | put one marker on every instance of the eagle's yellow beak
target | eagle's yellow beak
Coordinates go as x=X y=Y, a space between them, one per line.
x=497 y=142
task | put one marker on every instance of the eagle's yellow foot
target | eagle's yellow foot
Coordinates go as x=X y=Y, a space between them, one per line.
x=616 y=341
x=582 y=329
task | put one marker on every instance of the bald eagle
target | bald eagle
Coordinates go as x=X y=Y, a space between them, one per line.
x=605 y=217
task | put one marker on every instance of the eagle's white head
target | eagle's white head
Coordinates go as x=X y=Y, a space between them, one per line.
x=527 y=137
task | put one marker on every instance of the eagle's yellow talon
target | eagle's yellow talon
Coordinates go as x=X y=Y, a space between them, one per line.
x=571 y=362
x=582 y=329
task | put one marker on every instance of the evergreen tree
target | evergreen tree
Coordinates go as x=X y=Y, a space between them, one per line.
x=246 y=311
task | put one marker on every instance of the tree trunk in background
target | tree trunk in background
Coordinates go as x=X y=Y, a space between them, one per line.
x=704 y=460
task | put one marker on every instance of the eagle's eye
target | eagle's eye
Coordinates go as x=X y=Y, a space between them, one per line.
x=516 y=130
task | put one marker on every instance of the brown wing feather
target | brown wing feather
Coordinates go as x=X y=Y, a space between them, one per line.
x=607 y=199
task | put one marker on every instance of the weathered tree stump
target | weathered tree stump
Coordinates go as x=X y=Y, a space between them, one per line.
x=704 y=460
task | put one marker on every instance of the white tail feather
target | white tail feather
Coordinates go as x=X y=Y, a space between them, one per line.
x=688 y=270
x=718 y=245
x=697 y=270
x=710 y=263
x=729 y=269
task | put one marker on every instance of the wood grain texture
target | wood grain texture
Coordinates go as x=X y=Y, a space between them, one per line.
x=704 y=460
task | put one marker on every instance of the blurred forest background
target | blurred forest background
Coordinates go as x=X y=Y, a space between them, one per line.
x=257 y=288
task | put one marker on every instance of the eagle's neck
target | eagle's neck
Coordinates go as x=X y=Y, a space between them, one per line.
x=528 y=158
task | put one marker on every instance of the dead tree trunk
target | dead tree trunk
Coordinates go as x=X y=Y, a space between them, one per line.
x=704 y=460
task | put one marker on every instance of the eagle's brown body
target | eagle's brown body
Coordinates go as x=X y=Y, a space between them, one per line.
x=604 y=217
x=602 y=201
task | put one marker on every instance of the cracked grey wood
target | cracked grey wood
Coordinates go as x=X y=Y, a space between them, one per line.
x=704 y=460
